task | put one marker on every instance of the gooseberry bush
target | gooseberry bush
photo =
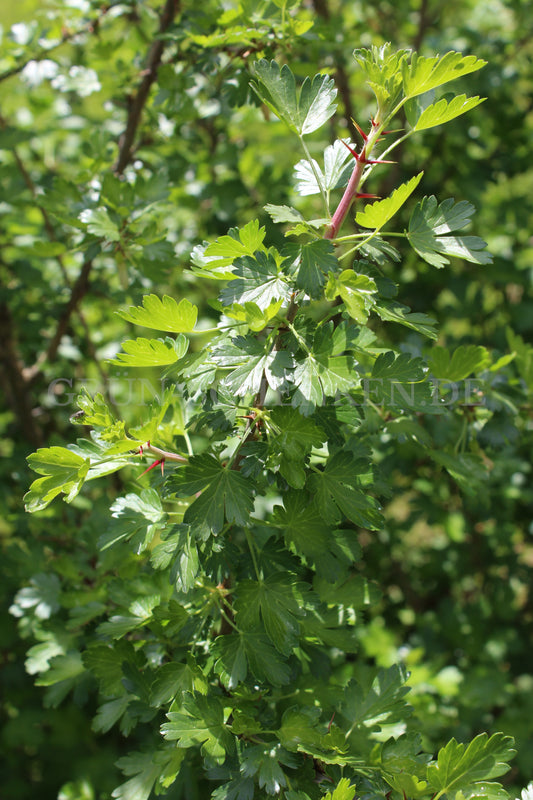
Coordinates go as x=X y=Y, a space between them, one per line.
x=230 y=588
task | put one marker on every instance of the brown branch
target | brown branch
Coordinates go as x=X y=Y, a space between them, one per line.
x=149 y=75
x=12 y=379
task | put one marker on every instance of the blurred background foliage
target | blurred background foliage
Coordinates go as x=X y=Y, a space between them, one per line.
x=82 y=234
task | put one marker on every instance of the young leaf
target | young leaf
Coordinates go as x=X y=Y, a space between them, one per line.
x=460 y=767
x=377 y=214
x=443 y=111
x=423 y=74
x=63 y=471
x=430 y=225
x=304 y=111
x=163 y=314
x=343 y=791
x=151 y=352
x=135 y=516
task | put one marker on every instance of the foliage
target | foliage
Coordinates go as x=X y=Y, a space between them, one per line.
x=315 y=505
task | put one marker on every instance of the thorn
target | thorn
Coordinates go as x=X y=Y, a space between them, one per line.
x=140 y=450
x=155 y=464
x=378 y=161
x=360 y=130
x=397 y=130
x=331 y=721
x=368 y=196
x=352 y=151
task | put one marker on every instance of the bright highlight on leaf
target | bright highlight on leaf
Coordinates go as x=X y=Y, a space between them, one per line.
x=151 y=352
x=423 y=74
x=303 y=111
x=163 y=314
x=443 y=111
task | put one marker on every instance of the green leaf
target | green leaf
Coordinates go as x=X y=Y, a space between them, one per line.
x=403 y=368
x=257 y=280
x=445 y=110
x=151 y=352
x=430 y=226
x=163 y=314
x=200 y=720
x=265 y=761
x=100 y=224
x=343 y=791
x=137 y=517
x=357 y=292
x=275 y=601
x=159 y=767
x=63 y=471
x=173 y=679
x=377 y=214
x=211 y=260
x=395 y=312
x=465 y=360
x=467 y=469
x=316 y=259
x=225 y=493
x=374 y=700
x=424 y=74
x=459 y=766
x=284 y=214
x=62 y=668
x=338 y=493
x=303 y=112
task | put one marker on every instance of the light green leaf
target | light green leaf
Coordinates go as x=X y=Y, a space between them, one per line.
x=423 y=74
x=465 y=359
x=429 y=229
x=377 y=214
x=460 y=766
x=63 y=470
x=304 y=111
x=445 y=110
x=343 y=791
x=200 y=720
x=163 y=314
x=151 y=352
x=283 y=213
x=357 y=292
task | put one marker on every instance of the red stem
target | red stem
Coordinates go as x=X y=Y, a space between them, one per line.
x=346 y=201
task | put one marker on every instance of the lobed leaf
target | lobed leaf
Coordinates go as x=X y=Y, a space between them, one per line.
x=425 y=73
x=151 y=352
x=429 y=228
x=445 y=110
x=163 y=314
x=304 y=111
x=377 y=214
